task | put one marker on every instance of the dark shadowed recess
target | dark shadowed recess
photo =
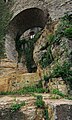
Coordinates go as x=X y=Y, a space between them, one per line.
x=27 y=19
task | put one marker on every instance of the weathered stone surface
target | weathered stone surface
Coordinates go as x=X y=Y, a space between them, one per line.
x=60 y=110
x=41 y=42
x=12 y=78
x=57 y=83
x=57 y=109
x=56 y=8
x=17 y=80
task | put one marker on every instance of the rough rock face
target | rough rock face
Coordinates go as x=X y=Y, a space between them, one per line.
x=58 y=83
x=41 y=42
x=57 y=109
x=12 y=79
x=58 y=50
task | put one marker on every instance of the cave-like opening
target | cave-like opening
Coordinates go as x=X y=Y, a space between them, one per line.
x=29 y=19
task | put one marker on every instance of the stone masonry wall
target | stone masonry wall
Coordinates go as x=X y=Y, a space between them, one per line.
x=54 y=8
x=57 y=109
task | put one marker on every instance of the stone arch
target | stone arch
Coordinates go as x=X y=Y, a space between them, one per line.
x=29 y=18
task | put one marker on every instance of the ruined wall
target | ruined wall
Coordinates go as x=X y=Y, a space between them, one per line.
x=22 y=20
x=56 y=109
x=36 y=14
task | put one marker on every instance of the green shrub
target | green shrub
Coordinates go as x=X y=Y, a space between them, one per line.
x=46 y=78
x=16 y=106
x=37 y=36
x=69 y=97
x=31 y=89
x=68 y=32
x=50 y=39
x=39 y=102
x=63 y=71
x=40 y=85
x=67 y=17
x=56 y=91
x=47 y=58
x=64 y=29
x=27 y=90
x=46 y=116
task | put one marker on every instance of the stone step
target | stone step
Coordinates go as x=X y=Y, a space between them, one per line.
x=57 y=109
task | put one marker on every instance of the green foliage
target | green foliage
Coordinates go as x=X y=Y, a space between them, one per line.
x=16 y=106
x=47 y=58
x=46 y=116
x=46 y=78
x=63 y=71
x=67 y=17
x=37 y=36
x=64 y=29
x=56 y=91
x=68 y=32
x=50 y=39
x=40 y=85
x=39 y=102
x=27 y=90
x=68 y=97
x=31 y=89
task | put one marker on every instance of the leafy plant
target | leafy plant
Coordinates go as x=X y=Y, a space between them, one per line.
x=27 y=90
x=50 y=39
x=46 y=116
x=16 y=106
x=64 y=29
x=63 y=71
x=68 y=32
x=46 y=78
x=40 y=85
x=56 y=91
x=39 y=102
x=47 y=58
x=68 y=97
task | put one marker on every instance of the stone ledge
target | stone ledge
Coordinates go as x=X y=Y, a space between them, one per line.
x=57 y=109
